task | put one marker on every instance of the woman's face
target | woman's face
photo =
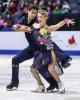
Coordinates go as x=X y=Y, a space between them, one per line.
x=41 y=17
x=32 y=13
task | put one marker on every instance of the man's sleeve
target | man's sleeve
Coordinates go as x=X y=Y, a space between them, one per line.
x=21 y=20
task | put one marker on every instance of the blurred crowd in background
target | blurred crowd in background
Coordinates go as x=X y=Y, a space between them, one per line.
x=12 y=10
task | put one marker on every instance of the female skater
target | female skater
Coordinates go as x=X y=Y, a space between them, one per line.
x=41 y=32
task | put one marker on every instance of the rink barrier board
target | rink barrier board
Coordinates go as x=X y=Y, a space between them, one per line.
x=13 y=42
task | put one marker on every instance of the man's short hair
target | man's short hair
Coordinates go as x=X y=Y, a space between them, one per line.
x=33 y=7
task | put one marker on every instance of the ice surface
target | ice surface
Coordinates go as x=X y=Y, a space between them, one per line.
x=71 y=79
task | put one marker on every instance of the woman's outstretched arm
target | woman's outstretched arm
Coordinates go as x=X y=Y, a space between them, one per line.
x=60 y=24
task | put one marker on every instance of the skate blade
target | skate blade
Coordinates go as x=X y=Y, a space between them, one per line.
x=52 y=90
x=36 y=91
x=45 y=91
x=13 y=89
x=62 y=92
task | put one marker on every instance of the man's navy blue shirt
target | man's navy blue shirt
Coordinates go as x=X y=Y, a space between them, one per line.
x=29 y=36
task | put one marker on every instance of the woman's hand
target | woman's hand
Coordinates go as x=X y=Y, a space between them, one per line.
x=69 y=21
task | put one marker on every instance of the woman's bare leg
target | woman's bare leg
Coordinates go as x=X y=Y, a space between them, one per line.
x=51 y=67
x=41 y=86
x=53 y=72
x=35 y=74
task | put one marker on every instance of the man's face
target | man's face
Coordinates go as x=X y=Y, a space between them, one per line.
x=32 y=13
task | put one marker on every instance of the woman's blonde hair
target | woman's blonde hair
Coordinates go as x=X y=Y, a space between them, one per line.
x=43 y=12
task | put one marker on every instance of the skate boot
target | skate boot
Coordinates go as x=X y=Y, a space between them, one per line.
x=66 y=65
x=69 y=59
x=12 y=86
x=51 y=88
x=65 y=62
x=40 y=88
x=61 y=87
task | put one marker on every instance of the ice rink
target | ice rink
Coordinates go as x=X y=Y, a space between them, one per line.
x=71 y=79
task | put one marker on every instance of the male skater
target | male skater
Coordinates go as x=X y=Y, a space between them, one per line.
x=28 y=52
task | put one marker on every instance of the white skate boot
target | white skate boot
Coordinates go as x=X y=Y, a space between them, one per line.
x=61 y=87
x=40 y=88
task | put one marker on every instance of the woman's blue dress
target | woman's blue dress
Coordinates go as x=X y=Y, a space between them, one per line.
x=45 y=44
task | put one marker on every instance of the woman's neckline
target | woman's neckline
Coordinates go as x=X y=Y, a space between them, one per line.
x=38 y=26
